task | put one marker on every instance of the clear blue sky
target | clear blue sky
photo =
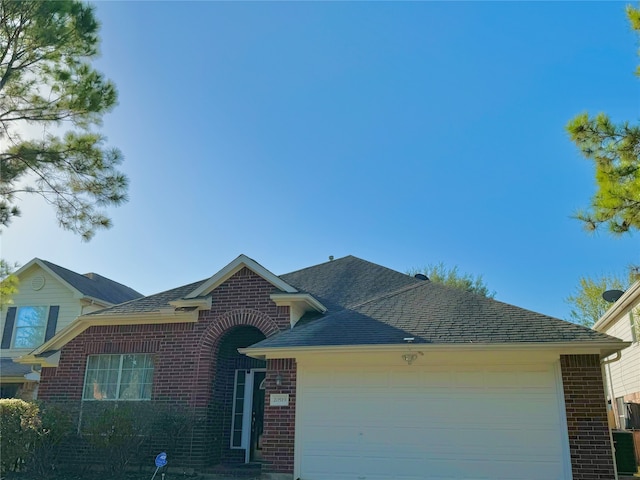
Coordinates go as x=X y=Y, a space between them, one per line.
x=402 y=133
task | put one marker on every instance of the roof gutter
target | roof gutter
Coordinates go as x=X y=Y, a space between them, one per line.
x=603 y=348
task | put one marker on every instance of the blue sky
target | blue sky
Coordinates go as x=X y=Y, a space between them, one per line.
x=402 y=133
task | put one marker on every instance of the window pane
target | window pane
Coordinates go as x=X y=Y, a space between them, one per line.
x=31 y=317
x=30 y=327
x=124 y=377
x=29 y=337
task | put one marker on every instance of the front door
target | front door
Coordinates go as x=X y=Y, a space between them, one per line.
x=248 y=413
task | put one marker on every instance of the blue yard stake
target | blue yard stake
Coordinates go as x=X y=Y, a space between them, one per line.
x=161 y=461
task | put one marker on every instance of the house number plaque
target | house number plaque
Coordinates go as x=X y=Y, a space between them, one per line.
x=279 y=399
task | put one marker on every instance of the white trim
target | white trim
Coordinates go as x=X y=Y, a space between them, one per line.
x=602 y=348
x=566 y=448
x=80 y=324
x=234 y=267
x=298 y=303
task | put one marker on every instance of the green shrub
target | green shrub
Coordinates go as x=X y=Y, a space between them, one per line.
x=19 y=426
x=117 y=432
x=56 y=426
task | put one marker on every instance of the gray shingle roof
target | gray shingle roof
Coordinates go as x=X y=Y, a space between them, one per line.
x=152 y=303
x=347 y=281
x=430 y=312
x=94 y=285
x=368 y=304
x=10 y=369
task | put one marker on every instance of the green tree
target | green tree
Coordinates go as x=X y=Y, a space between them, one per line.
x=8 y=283
x=587 y=304
x=615 y=151
x=47 y=81
x=450 y=276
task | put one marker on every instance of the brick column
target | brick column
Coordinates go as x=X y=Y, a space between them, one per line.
x=279 y=422
x=585 y=404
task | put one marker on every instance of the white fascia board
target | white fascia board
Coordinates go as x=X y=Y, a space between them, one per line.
x=234 y=267
x=603 y=349
x=80 y=324
x=625 y=301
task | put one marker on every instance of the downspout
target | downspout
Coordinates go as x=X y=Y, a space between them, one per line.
x=614 y=407
x=608 y=363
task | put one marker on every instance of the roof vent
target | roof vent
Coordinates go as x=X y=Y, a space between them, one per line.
x=37 y=282
x=331 y=258
x=612 y=295
x=421 y=276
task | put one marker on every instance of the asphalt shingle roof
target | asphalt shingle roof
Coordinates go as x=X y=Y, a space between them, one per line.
x=152 y=303
x=10 y=369
x=94 y=285
x=433 y=314
x=372 y=305
x=368 y=304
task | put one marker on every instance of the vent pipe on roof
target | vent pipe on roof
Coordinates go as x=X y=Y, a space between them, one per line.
x=331 y=258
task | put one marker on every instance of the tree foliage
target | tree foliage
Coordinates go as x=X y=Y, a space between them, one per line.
x=452 y=277
x=47 y=81
x=8 y=283
x=587 y=304
x=615 y=151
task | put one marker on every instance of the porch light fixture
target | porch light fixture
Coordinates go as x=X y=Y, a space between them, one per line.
x=278 y=379
x=409 y=357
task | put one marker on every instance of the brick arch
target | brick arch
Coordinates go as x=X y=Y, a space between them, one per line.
x=207 y=348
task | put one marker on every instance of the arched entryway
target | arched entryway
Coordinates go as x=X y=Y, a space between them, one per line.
x=238 y=398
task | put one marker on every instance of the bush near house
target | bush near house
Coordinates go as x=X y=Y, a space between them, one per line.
x=43 y=441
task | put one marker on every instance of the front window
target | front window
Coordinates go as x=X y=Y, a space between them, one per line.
x=31 y=324
x=118 y=377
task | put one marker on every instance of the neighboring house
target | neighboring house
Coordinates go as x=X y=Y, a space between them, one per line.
x=348 y=370
x=622 y=371
x=622 y=320
x=49 y=298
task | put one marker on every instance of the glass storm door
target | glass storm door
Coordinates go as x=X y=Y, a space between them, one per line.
x=248 y=413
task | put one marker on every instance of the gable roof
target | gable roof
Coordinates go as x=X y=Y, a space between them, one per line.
x=234 y=267
x=94 y=285
x=89 y=285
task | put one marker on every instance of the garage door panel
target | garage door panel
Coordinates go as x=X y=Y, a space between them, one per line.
x=466 y=423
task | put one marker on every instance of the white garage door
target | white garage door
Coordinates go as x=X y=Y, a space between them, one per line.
x=413 y=422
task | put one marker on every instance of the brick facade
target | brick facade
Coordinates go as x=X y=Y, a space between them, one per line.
x=279 y=422
x=187 y=361
x=585 y=404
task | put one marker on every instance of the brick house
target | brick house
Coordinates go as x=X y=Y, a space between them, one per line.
x=349 y=370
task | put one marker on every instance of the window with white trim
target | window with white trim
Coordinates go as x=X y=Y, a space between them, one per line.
x=31 y=325
x=118 y=377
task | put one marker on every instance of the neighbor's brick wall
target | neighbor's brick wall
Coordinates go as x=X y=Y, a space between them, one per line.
x=186 y=353
x=589 y=437
x=279 y=422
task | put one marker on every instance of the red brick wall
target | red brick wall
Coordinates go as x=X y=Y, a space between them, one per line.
x=279 y=422
x=186 y=353
x=589 y=437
